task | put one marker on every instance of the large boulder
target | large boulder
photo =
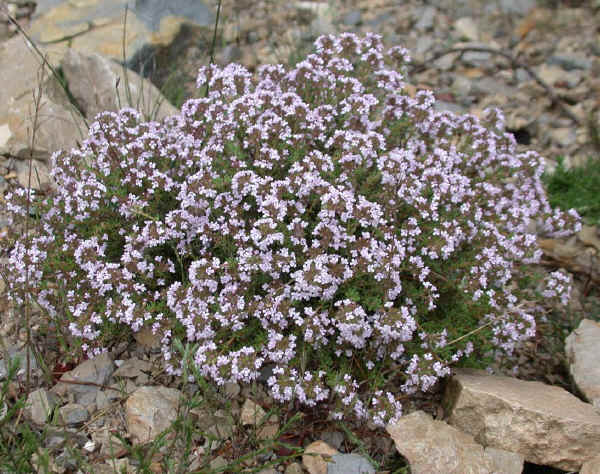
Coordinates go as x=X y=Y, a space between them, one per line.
x=98 y=26
x=545 y=423
x=99 y=84
x=60 y=120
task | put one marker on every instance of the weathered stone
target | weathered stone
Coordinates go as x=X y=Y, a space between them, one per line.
x=149 y=411
x=132 y=368
x=96 y=26
x=591 y=467
x=58 y=125
x=73 y=413
x=425 y=17
x=504 y=462
x=252 y=413
x=466 y=28
x=96 y=371
x=294 y=468
x=349 y=464
x=581 y=347
x=92 y=81
x=433 y=446
x=316 y=456
x=545 y=423
x=516 y=7
x=40 y=404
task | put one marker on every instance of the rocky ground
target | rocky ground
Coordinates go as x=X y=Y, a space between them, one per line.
x=539 y=61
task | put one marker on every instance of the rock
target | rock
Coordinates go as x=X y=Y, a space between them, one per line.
x=546 y=424
x=74 y=413
x=425 y=17
x=98 y=25
x=149 y=411
x=564 y=136
x=333 y=438
x=218 y=463
x=316 y=456
x=40 y=175
x=581 y=347
x=550 y=74
x=97 y=371
x=252 y=414
x=516 y=7
x=352 y=18
x=293 y=468
x=570 y=61
x=40 y=404
x=466 y=28
x=504 y=462
x=92 y=80
x=15 y=353
x=349 y=464
x=433 y=446
x=132 y=368
x=59 y=124
x=146 y=338
x=232 y=390
x=591 y=467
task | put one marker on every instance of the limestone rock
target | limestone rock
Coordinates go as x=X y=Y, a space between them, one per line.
x=40 y=404
x=433 y=446
x=581 y=347
x=151 y=410
x=252 y=413
x=92 y=81
x=591 y=467
x=505 y=462
x=73 y=413
x=96 y=26
x=349 y=464
x=58 y=126
x=316 y=456
x=467 y=28
x=546 y=424
x=97 y=371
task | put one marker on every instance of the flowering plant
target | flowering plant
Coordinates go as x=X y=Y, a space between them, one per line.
x=318 y=221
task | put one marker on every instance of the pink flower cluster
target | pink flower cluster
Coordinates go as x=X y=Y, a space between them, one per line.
x=308 y=219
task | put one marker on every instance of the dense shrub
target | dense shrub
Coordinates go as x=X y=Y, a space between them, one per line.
x=317 y=220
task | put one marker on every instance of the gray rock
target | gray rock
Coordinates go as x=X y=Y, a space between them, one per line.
x=97 y=25
x=333 y=438
x=132 y=368
x=581 y=347
x=424 y=17
x=16 y=353
x=352 y=18
x=570 y=61
x=74 y=413
x=40 y=404
x=97 y=371
x=349 y=464
x=516 y=7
